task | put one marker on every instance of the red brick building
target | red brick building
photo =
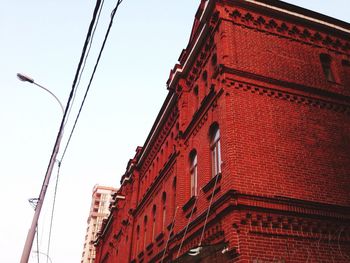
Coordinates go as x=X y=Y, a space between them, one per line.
x=249 y=157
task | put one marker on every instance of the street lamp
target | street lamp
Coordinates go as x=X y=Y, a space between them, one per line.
x=31 y=233
x=25 y=78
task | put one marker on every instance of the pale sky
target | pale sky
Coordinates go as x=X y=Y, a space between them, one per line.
x=43 y=39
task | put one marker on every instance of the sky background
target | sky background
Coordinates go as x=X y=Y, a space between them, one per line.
x=44 y=39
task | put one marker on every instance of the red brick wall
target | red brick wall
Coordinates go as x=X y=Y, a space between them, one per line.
x=281 y=49
x=285 y=147
x=288 y=148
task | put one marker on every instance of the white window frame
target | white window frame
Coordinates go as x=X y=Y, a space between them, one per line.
x=194 y=173
x=215 y=152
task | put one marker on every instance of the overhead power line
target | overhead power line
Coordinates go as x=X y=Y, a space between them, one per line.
x=30 y=237
x=79 y=72
x=73 y=98
x=85 y=58
x=93 y=74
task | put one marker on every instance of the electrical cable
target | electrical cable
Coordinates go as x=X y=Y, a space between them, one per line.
x=92 y=75
x=170 y=231
x=85 y=59
x=188 y=223
x=74 y=94
x=80 y=69
x=52 y=212
x=206 y=217
x=60 y=131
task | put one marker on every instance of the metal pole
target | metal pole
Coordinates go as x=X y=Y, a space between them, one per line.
x=31 y=233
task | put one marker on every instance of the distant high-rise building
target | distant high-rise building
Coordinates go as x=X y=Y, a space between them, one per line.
x=99 y=210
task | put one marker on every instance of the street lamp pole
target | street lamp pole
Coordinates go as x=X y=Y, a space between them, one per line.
x=31 y=233
x=25 y=78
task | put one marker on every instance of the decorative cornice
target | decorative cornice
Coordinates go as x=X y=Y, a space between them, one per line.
x=286 y=29
x=294 y=226
x=204 y=52
x=201 y=115
x=291 y=97
x=306 y=16
x=198 y=51
x=166 y=170
x=168 y=108
x=234 y=200
x=293 y=206
x=170 y=120
x=106 y=225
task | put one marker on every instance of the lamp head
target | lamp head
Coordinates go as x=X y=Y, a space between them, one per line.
x=23 y=77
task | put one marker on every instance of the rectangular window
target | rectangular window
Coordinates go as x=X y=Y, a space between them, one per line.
x=346 y=73
x=153 y=229
x=216 y=158
x=164 y=216
x=145 y=239
x=327 y=67
x=193 y=172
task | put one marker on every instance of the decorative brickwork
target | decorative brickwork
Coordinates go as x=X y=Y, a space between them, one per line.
x=261 y=98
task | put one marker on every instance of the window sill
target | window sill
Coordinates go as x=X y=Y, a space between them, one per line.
x=169 y=227
x=149 y=247
x=211 y=183
x=141 y=254
x=189 y=203
x=160 y=236
x=125 y=222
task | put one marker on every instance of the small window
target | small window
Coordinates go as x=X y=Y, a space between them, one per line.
x=327 y=67
x=164 y=211
x=215 y=149
x=196 y=97
x=137 y=238
x=193 y=173
x=154 y=214
x=346 y=73
x=145 y=232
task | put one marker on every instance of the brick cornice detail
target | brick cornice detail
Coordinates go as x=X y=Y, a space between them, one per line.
x=160 y=138
x=285 y=29
x=194 y=69
x=279 y=224
x=234 y=200
x=293 y=97
x=168 y=168
x=201 y=115
x=293 y=206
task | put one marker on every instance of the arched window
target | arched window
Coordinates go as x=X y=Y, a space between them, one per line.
x=327 y=66
x=173 y=197
x=193 y=173
x=215 y=150
x=137 y=238
x=164 y=211
x=145 y=232
x=154 y=215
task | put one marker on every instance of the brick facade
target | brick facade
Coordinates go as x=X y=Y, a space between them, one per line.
x=262 y=91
